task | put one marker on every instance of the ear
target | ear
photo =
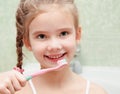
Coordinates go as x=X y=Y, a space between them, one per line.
x=78 y=34
x=27 y=44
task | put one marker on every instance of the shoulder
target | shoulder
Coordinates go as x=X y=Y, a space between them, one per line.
x=93 y=88
x=96 y=89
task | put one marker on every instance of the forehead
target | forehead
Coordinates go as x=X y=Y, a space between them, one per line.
x=53 y=19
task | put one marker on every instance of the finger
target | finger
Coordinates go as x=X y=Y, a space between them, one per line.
x=4 y=90
x=20 y=78
x=9 y=86
x=11 y=89
x=16 y=84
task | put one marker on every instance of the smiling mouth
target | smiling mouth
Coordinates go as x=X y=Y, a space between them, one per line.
x=55 y=57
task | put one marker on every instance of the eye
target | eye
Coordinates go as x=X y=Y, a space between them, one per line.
x=64 y=33
x=42 y=36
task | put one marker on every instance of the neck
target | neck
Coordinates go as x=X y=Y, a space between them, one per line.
x=56 y=78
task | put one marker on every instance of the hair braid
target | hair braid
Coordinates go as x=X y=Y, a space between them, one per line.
x=19 y=45
x=19 y=37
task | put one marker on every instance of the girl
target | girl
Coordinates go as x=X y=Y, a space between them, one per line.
x=50 y=29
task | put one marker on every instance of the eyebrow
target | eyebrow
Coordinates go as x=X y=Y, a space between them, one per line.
x=44 y=31
x=69 y=29
x=39 y=32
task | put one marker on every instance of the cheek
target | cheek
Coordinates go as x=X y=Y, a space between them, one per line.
x=72 y=49
x=71 y=46
x=37 y=51
x=71 y=43
x=38 y=54
x=36 y=46
x=71 y=52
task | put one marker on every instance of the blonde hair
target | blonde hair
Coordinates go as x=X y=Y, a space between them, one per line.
x=27 y=11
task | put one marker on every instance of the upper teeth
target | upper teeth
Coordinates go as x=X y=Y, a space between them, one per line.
x=58 y=56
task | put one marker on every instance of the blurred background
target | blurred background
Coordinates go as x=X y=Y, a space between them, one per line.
x=100 y=42
x=98 y=55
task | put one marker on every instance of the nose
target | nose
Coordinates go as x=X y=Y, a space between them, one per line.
x=54 y=45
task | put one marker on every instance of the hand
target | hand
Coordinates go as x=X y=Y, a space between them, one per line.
x=11 y=81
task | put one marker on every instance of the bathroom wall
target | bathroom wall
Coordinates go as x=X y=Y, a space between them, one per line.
x=99 y=45
x=7 y=34
x=100 y=21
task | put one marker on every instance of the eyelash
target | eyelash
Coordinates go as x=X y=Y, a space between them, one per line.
x=64 y=33
x=42 y=36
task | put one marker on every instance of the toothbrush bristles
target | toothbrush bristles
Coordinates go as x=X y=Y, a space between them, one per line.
x=63 y=61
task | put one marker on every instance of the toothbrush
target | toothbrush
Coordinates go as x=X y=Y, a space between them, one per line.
x=43 y=71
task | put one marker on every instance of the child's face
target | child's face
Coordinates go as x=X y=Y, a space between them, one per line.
x=52 y=37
